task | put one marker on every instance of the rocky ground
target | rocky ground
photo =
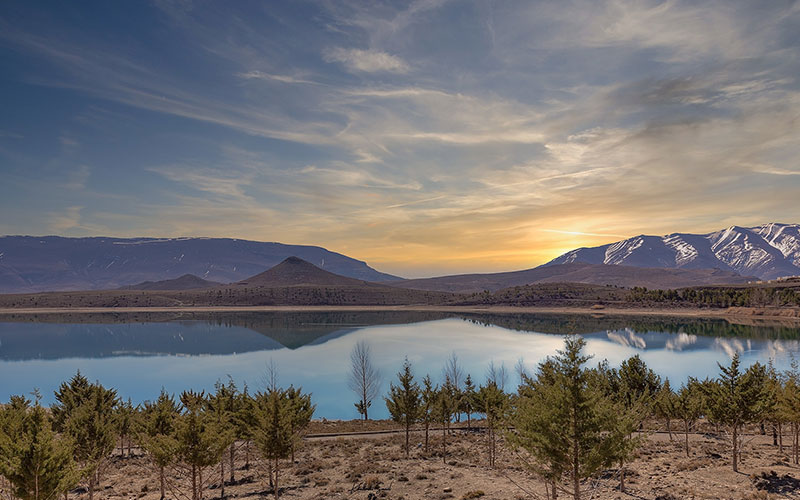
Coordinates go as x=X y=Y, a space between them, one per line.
x=374 y=466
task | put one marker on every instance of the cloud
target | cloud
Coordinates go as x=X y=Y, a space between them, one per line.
x=78 y=177
x=64 y=220
x=367 y=61
x=259 y=75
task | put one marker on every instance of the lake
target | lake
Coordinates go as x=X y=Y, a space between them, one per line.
x=140 y=353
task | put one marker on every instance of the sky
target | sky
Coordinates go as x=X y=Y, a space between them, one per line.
x=424 y=137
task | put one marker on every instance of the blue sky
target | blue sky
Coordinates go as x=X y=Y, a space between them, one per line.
x=424 y=137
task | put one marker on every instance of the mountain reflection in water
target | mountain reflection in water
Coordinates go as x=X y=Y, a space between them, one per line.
x=142 y=352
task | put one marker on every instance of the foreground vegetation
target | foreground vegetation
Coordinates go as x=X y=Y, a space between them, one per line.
x=567 y=426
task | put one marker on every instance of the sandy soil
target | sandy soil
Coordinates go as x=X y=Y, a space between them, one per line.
x=739 y=313
x=374 y=466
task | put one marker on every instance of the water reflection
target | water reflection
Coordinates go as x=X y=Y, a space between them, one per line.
x=140 y=353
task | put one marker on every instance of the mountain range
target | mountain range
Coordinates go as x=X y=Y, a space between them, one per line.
x=53 y=263
x=767 y=251
x=578 y=272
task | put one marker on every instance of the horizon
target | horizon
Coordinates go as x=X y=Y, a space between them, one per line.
x=430 y=138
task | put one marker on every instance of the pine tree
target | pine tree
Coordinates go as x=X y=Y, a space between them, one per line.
x=444 y=407
x=564 y=421
x=428 y=400
x=404 y=401
x=664 y=405
x=468 y=400
x=301 y=412
x=492 y=402
x=272 y=433
x=125 y=414
x=689 y=407
x=156 y=433
x=91 y=424
x=245 y=421
x=738 y=399
x=200 y=442
x=220 y=407
x=38 y=464
x=68 y=397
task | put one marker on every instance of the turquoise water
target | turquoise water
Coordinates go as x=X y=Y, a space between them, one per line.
x=140 y=354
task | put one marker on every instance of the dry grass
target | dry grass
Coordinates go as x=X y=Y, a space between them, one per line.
x=374 y=467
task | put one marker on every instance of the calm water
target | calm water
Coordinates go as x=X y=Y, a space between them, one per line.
x=141 y=353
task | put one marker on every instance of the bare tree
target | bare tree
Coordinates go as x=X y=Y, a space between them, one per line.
x=364 y=379
x=452 y=371
x=522 y=370
x=497 y=375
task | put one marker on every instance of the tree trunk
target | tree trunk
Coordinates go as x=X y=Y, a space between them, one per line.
x=427 y=426
x=735 y=448
x=669 y=428
x=194 y=482
x=444 y=444
x=408 y=430
x=276 y=477
x=161 y=478
x=469 y=420
x=222 y=478
x=686 y=435
x=199 y=483
x=621 y=477
x=774 y=434
x=91 y=486
x=780 y=437
x=233 y=450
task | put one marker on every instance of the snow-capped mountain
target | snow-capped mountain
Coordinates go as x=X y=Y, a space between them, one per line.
x=768 y=251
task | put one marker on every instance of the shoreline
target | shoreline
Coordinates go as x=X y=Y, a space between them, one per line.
x=731 y=313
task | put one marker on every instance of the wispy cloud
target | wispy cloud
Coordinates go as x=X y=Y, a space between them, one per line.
x=368 y=61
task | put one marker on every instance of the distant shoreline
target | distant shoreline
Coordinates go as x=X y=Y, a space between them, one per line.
x=783 y=314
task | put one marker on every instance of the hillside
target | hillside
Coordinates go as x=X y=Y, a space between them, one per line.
x=598 y=274
x=185 y=282
x=768 y=251
x=52 y=263
x=293 y=282
x=296 y=271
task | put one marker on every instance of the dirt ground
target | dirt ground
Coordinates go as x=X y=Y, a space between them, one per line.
x=374 y=466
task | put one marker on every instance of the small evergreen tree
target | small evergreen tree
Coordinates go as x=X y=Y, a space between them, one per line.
x=404 y=401
x=564 y=421
x=738 y=399
x=38 y=464
x=92 y=426
x=220 y=407
x=444 y=407
x=125 y=415
x=491 y=401
x=664 y=405
x=301 y=411
x=468 y=400
x=156 y=434
x=200 y=442
x=272 y=433
x=428 y=401
x=689 y=407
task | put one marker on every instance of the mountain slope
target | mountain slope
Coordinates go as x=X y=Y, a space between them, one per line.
x=597 y=274
x=768 y=251
x=35 y=264
x=295 y=271
x=185 y=282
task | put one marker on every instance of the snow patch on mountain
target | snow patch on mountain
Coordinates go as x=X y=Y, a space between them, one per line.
x=768 y=251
